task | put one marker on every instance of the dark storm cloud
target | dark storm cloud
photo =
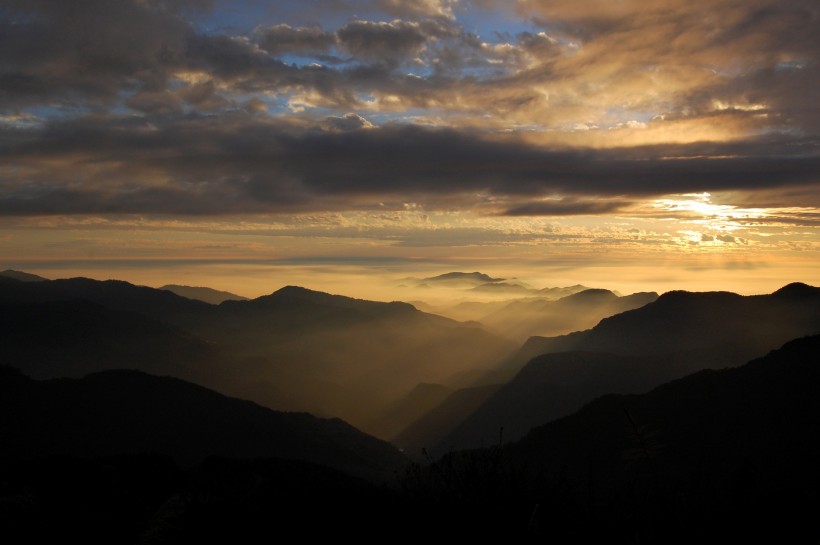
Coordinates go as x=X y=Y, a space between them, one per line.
x=241 y=163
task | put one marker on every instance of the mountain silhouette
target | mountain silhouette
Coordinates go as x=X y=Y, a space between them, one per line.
x=720 y=454
x=295 y=349
x=678 y=334
x=429 y=430
x=129 y=412
x=21 y=276
x=420 y=400
x=694 y=330
x=205 y=294
x=548 y=387
x=461 y=277
x=160 y=305
x=76 y=337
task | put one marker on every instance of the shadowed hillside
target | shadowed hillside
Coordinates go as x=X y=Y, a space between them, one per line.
x=129 y=412
x=427 y=431
x=548 y=387
x=733 y=448
x=75 y=337
x=718 y=456
x=419 y=401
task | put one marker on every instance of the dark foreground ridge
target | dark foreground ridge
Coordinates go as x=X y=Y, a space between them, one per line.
x=129 y=412
x=718 y=456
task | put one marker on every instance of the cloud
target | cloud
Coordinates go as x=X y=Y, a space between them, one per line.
x=430 y=8
x=283 y=39
x=132 y=106
x=55 y=51
x=347 y=122
x=593 y=65
x=566 y=207
x=382 y=42
x=239 y=162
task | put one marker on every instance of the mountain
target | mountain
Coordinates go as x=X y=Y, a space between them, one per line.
x=353 y=358
x=557 y=293
x=295 y=349
x=726 y=454
x=529 y=317
x=694 y=330
x=502 y=288
x=477 y=310
x=461 y=278
x=678 y=334
x=160 y=305
x=428 y=431
x=208 y=295
x=72 y=338
x=420 y=400
x=548 y=387
x=21 y=276
x=129 y=412
x=449 y=281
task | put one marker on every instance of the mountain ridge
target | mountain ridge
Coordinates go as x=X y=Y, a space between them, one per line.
x=203 y=293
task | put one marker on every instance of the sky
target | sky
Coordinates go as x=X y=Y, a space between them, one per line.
x=345 y=144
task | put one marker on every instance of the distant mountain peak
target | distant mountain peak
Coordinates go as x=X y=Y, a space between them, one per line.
x=22 y=276
x=476 y=276
x=502 y=287
x=597 y=293
x=297 y=291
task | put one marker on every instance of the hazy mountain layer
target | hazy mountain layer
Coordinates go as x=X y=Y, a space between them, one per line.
x=678 y=334
x=693 y=330
x=430 y=429
x=418 y=402
x=523 y=311
x=522 y=319
x=208 y=295
x=295 y=349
